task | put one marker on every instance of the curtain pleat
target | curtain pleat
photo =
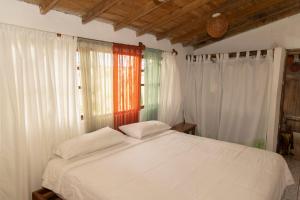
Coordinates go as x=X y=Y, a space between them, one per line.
x=170 y=101
x=202 y=95
x=39 y=107
x=126 y=83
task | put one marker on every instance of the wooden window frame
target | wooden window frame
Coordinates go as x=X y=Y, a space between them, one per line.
x=142 y=85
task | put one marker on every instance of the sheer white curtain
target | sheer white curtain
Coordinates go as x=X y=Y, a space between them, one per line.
x=192 y=78
x=38 y=105
x=245 y=99
x=228 y=98
x=202 y=94
x=96 y=62
x=170 y=104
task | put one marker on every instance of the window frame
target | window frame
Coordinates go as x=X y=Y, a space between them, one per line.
x=142 y=106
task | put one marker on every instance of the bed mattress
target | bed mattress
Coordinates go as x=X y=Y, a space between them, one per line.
x=171 y=166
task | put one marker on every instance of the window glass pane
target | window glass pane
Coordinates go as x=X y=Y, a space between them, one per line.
x=77 y=58
x=143 y=78
x=143 y=64
x=142 y=95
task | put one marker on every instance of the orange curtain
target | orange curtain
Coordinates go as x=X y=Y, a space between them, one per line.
x=126 y=83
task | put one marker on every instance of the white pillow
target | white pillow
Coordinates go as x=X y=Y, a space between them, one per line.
x=142 y=129
x=89 y=142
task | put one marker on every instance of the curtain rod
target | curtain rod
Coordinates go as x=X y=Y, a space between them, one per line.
x=293 y=51
x=140 y=44
x=93 y=40
x=233 y=54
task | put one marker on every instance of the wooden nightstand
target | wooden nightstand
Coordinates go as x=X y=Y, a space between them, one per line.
x=44 y=194
x=185 y=127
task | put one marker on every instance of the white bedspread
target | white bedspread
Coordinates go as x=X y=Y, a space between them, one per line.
x=171 y=166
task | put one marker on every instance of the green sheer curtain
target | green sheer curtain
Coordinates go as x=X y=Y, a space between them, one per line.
x=152 y=61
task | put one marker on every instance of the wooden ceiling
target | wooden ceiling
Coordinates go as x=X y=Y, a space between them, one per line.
x=181 y=21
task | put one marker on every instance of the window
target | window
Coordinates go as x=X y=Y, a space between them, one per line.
x=126 y=83
x=150 y=78
x=100 y=85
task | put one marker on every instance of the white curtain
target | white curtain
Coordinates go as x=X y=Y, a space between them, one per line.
x=38 y=105
x=192 y=79
x=245 y=99
x=96 y=62
x=202 y=94
x=228 y=98
x=170 y=104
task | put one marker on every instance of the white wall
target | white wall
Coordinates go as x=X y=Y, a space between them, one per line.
x=284 y=33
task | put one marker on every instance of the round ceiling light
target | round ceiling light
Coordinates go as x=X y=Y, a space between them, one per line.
x=217 y=25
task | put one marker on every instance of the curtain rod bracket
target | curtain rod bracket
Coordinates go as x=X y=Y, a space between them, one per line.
x=174 y=52
x=142 y=46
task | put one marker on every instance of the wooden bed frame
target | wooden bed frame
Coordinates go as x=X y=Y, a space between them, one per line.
x=44 y=194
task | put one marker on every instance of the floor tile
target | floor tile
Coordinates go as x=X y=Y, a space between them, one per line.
x=291 y=192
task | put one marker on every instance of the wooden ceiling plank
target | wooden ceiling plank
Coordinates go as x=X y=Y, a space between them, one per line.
x=182 y=26
x=201 y=29
x=99 y=9
x=225 y=6
x=182 y=23
x=173 y=16
x=289 y=11
x=46 y=6
x=236 y=15
x=150 y=7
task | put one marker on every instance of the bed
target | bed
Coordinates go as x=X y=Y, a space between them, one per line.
x=170 y=166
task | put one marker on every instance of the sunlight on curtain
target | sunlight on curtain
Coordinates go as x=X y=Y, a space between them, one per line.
x=152 y=69
x=38 y=105
x=126 y=83
x=96 y=62
x=170 y=104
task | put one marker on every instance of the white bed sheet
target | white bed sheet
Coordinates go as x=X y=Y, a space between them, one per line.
x=171 y=166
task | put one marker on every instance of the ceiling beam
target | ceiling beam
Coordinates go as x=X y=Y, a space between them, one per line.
x=242 y=15
x=251 y=24
x=46 y=6
x=99 y=9
x=173 y=16
x=148 y=8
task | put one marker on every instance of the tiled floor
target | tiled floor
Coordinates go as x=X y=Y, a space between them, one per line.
x=292 y=192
